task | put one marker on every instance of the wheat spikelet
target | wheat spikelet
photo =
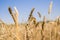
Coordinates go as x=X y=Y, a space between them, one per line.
x=10 y=10
x=50 y=7
x=31 y=13
x=16 y=12
x=39 y=14
x=40 y=17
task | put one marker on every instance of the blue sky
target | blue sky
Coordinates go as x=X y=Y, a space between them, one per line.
x=24 y=7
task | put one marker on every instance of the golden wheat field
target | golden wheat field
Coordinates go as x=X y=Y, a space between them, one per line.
x=31 y=30
x=50 y=31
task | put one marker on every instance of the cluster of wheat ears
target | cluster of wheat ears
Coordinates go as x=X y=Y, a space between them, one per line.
x=32 y=27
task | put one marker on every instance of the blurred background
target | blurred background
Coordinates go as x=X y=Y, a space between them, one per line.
x=24 y=7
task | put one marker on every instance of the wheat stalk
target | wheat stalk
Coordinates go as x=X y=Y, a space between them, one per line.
x=43 y=23
x=49 y=10
x=15 y=18
x=27 y=37
x=30 y=19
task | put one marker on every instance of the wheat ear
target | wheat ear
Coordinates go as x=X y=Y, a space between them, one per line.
x=50 y=7
x=39 y=14
x=31 y=13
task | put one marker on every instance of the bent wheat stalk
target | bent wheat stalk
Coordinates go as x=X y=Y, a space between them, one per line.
x=15 y=18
